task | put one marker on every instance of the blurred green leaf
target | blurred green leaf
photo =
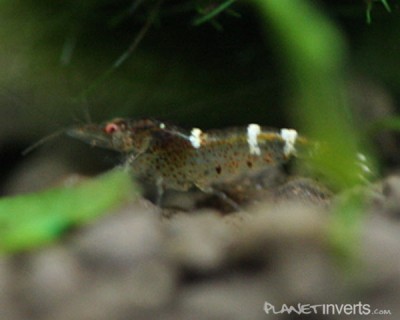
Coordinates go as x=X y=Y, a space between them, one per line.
x=344 y=231
x=31 y=220
x=315 y=56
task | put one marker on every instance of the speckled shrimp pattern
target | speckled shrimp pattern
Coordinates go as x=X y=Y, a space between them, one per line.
x=180 y=159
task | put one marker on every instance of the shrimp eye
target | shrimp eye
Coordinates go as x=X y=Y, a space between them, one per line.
x=111 y=128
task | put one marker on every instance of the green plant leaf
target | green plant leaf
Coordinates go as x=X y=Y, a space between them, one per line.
x=31 y=220
x=213 y=13
x=315 y=56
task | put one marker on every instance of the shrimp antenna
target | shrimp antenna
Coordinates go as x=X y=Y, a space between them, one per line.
x=42 y=141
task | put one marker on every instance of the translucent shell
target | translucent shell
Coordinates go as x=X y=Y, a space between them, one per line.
x=179 y=159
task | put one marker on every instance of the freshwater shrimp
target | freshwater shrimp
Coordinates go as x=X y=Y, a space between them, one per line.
x=174 y=158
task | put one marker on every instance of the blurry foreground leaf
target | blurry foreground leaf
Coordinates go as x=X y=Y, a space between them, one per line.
x=31 y=220
x=345 y=229
x=315 y=54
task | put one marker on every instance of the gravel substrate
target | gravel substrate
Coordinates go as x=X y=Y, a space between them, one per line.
x=138 y=263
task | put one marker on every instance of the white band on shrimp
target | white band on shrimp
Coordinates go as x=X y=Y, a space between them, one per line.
x=195 y=137
x=253 y=130
x=290 y=137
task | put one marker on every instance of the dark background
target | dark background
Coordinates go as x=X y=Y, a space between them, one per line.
x=57 y=67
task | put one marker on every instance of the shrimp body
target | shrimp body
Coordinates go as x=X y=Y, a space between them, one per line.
x=179 y=159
